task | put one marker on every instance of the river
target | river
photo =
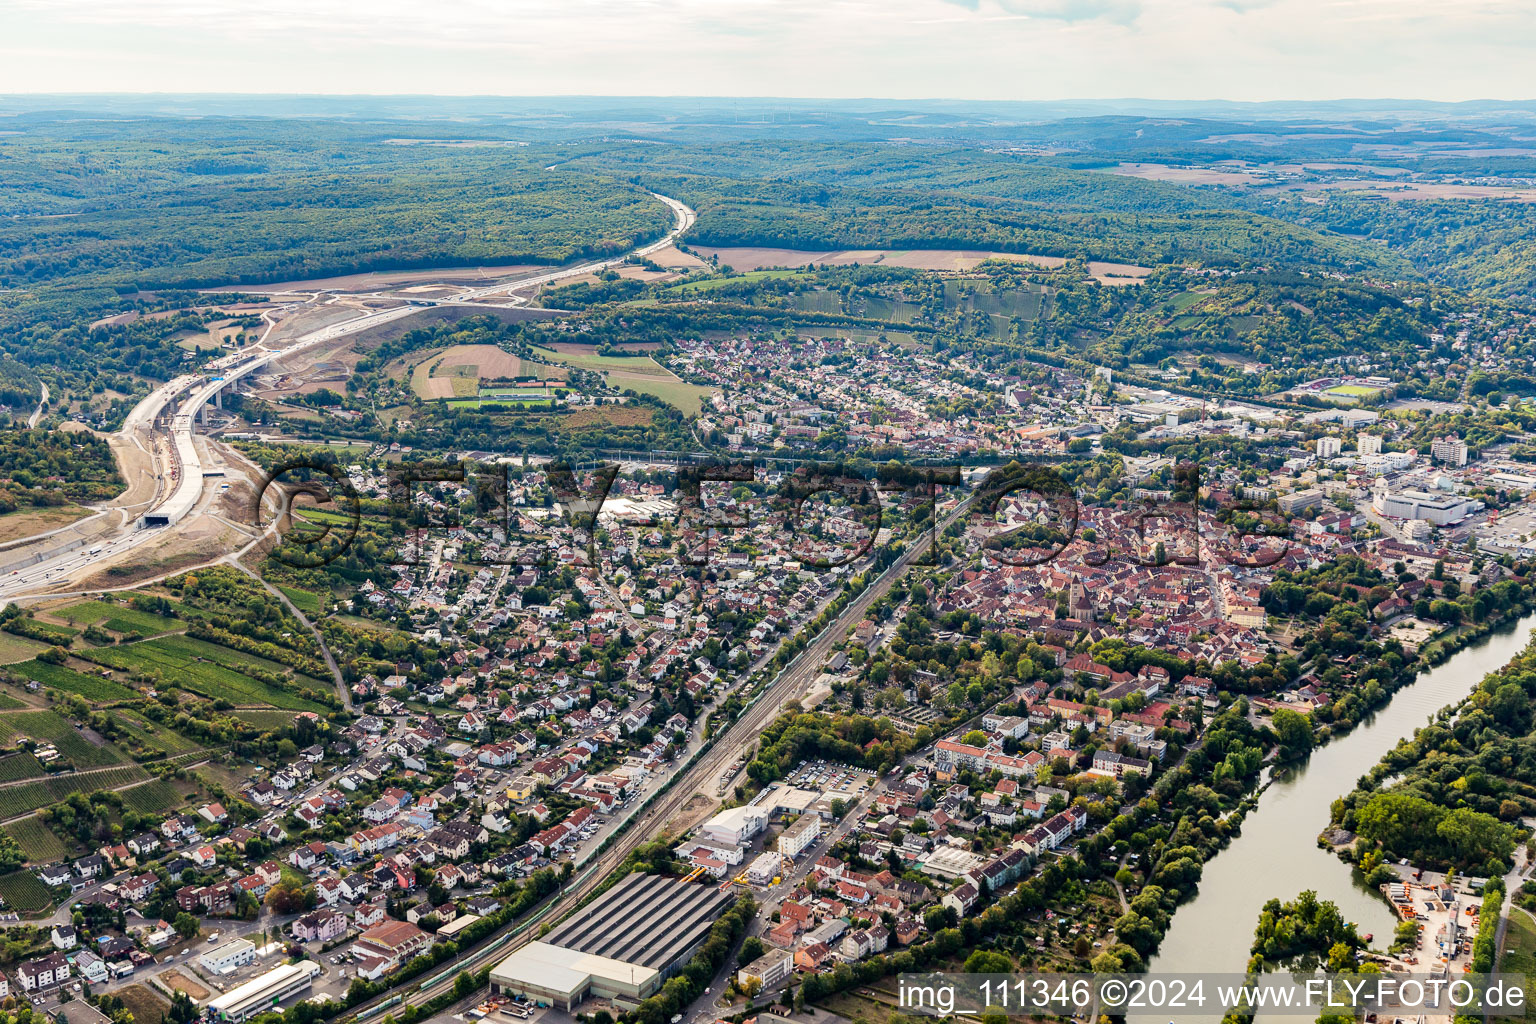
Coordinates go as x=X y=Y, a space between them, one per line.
x=1276 y=854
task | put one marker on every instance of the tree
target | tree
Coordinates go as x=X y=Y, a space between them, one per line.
x=185 y=925
x=751 y=949
x=182 y=1010
x=1294 y=732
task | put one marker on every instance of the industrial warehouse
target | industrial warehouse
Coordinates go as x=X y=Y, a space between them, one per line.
x=263 y=994
x=622 y=947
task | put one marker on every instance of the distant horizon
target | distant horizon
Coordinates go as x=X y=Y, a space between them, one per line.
x=974 y=50
x=471 y=106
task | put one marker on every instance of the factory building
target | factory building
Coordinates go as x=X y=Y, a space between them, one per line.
x=260 y=995
x=622 y=947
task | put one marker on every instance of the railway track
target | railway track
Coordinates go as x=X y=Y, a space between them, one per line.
x=790 y=684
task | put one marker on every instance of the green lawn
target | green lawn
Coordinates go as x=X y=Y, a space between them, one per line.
x=266 y=720
x=15 y=648
x=1519 y=953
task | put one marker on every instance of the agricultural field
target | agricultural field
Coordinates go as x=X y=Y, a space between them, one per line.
x=607 y=416
x=50 y=726
x=303 y=600
x=266 y=720
x=39 y=843
x=23 y=893
x=9 y=703
x=456 y=372
x=117 y=618
x=15 y=648
x=640 y=374
x=139 y=735
x=153 y=797
x=15 y=767
x=207 y=669
x=92 y=688
x=29 y=796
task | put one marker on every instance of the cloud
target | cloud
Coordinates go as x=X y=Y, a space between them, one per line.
x=1244 y=6
x=1120 y=12
x=960 y=49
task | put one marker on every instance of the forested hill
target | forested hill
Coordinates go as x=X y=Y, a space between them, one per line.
x=88 y=211
x=819 y=196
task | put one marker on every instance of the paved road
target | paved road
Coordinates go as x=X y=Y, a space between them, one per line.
x=791 y=684
x=42 y=405
x=63 y=566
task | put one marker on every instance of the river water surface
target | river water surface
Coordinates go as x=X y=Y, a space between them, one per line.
x=1276 y=855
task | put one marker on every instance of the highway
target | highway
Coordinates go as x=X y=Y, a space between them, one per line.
x=792 y=683
x=175 y=456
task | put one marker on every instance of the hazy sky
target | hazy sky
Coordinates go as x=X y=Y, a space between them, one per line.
x=986 y=49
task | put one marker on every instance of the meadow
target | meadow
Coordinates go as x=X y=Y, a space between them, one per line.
x=117 y=618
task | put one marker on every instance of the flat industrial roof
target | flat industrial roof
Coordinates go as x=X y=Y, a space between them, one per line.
x=645 y=919
x=556 y=969
x=261 y=988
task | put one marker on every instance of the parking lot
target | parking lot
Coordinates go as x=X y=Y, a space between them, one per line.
x=825 y=776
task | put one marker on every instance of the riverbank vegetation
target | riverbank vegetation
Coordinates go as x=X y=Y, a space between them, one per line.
x=1454 y=794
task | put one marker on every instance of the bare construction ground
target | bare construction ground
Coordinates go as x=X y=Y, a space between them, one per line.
x=383 y=280
x=760 y=258
x=676 y=259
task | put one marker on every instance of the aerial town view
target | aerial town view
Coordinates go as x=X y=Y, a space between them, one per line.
x=566 y=513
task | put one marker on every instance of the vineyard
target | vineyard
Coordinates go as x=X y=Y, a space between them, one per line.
x=152 y=797
x=29 y=796
x=50 y=726
x=38 y=842
x=92 y=688
x=210 y=670
x=117 y=618
x=23 y=893
x=20 y=766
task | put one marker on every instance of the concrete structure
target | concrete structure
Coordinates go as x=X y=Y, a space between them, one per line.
x=262 y=994
x=1450 y=450
x=764 y=868
x=735 y=825
x=1328 y=447
x=1439 y=509
x=800 y=836
x=228 y=957
x=1299 y=501
x=622 y=947
x=1369 y=444
x=768 y=970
